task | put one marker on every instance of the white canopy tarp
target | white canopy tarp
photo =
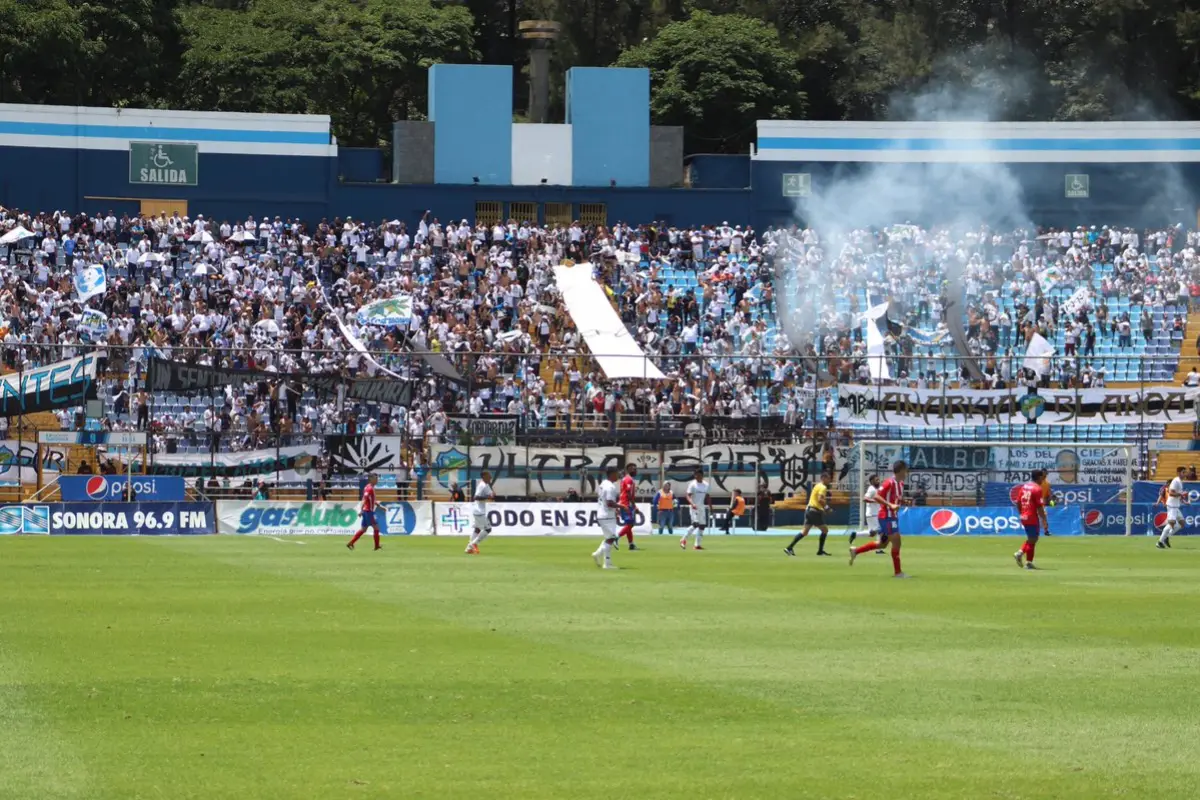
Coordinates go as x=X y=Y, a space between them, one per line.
x=611 y=344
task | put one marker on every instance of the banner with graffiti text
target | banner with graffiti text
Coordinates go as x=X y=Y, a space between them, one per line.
x=286 y=464
x=921 y=408
x=552 y=472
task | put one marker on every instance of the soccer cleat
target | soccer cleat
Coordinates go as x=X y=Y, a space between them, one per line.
x=1168 y=542
x=881 y=551
x=350 y=546
x=683 y=543
x=611 y=566
x=632 y=547
x=853 y=555
x=378 y=547
x=787 y=551
x=853 y=536
x=823 y=553
x=598 y=559
x=1029 y=565
x=900 y=575
x=1019 y=557
x=697 y=547
x=1160 y=545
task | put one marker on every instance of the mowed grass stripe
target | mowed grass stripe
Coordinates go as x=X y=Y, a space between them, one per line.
x=288 y=661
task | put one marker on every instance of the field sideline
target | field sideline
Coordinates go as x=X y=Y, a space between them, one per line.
x=226 y=667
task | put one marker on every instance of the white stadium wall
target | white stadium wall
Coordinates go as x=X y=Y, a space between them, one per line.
x=1007 y=142
x=541 y=151
x=69 y=127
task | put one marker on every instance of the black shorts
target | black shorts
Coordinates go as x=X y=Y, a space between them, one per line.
x=814 y=517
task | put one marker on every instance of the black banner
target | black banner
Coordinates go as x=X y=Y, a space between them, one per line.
x=58 y=385
x=175 y=376
x=357 y=455
x=487 y=426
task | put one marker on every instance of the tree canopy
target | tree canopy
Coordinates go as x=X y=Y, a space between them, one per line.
x=717 y=65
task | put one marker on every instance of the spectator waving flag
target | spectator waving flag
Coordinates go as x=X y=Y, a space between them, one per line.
x=90 y=281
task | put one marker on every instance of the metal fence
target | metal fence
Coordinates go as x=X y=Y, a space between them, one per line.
x=705 y=400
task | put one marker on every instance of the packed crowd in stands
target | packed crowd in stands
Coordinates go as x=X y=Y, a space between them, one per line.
x=724 y=311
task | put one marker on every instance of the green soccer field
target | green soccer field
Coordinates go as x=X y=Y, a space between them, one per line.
x=253 y=668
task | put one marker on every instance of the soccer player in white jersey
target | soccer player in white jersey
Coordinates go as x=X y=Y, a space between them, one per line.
x=1174 y=509
x=871 y=507
x=479 y=513
x=697 y=497
x=606 y=518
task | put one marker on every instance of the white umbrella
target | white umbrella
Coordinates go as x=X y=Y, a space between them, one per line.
x=150 y=256
x=202 y=237
x=243 y=236
x=202 y=269
x=237 y=261
x=15 y=235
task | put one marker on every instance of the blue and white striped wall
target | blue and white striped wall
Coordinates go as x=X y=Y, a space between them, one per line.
x=960 y=142
x=71 y=128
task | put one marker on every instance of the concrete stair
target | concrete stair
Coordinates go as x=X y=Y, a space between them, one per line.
x=1188 y=357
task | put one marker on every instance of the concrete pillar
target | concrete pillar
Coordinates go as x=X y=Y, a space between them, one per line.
x=540 y=34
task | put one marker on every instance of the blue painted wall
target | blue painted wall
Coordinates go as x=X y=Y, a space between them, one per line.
x=718 y=171
x=609 y=113
x=471 y=108
x=361 y=164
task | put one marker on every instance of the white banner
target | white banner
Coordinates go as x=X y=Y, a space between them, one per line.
x=295 y=517
x=18 y=462
x=530 y=519
x=93 y=325
x=90 y=281
x=287 y=464
x=922 y=408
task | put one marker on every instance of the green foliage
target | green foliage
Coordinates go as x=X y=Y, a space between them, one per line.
x=716 y=75
x=362 y=63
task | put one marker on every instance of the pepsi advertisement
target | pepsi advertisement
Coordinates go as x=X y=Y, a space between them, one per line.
x=1070 y=494
x=129 y=519
x=984 y=521
x=93 y=488
x=1109 y=519
x=1147 y=491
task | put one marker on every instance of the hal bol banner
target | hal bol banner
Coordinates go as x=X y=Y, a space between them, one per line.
x=175 y=376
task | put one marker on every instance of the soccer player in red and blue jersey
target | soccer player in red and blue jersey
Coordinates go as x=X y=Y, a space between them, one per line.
x=626 y=507
x=890 y=498
x=1031 y=505
x=369 y=509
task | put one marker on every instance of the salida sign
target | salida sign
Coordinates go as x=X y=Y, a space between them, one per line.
x=161 y=164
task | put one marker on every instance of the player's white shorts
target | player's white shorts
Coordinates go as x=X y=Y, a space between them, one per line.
x=608 y=528
x=1175 y=515
x=481 y=522
x=873 y=523
x=699 y=517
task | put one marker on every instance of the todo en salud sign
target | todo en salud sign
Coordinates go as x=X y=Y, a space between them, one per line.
x=163 y=164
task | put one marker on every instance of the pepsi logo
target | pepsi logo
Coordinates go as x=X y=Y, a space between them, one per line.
x=946 y=522
x=1093 y=518
x=1160 y=519
x=97 y=487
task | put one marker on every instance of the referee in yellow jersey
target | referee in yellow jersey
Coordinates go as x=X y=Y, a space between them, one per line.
x=814 y=515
